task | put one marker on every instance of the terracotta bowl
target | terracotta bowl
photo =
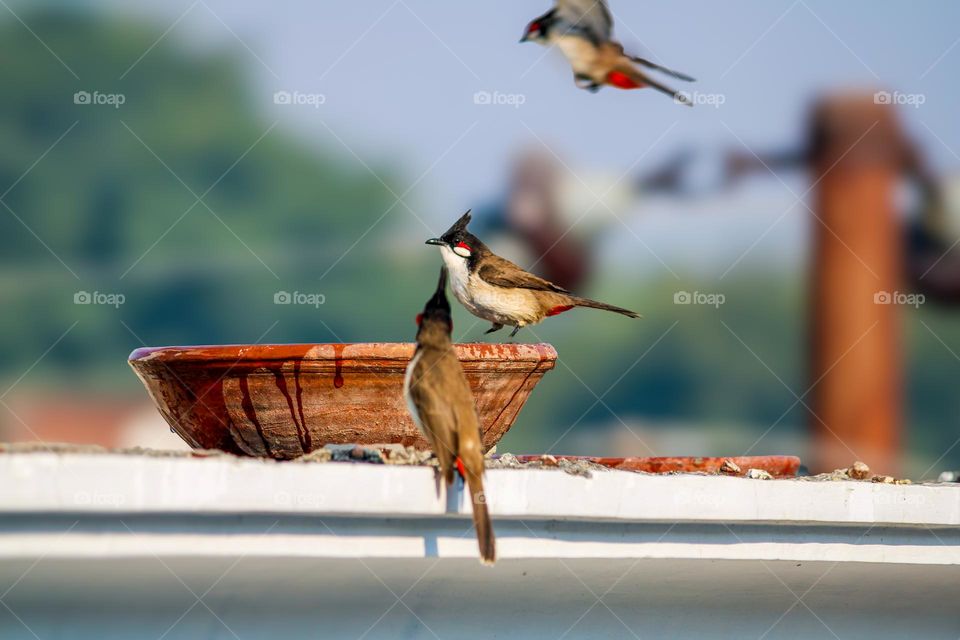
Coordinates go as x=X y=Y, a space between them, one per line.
x=281 y=401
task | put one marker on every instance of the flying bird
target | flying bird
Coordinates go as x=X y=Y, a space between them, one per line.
x=497 y=290
x=583 y=31
x=442 y=406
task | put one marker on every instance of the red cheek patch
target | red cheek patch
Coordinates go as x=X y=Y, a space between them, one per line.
x=419 y=319
x=621 y=80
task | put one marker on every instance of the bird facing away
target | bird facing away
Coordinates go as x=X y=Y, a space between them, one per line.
x=495 y=289
x=442 y=406
x=583 y=31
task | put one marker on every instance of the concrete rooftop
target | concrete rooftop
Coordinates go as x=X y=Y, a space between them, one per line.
x=144 y=546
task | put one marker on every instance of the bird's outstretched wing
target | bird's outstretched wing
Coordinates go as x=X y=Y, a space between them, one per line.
x=503 y=273
x=589 y=17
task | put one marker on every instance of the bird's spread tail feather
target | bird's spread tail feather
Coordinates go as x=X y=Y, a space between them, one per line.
x=593 y=304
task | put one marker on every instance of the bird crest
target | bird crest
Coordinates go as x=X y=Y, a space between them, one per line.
x=438 y=307
x=458 y=228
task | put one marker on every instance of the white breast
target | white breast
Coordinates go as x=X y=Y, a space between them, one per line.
x=497 y=304
x=458 y=274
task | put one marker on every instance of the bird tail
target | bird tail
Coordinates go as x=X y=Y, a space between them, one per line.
x=626 y=76
x=481 y=516
x=593 y=304
x=656 y=67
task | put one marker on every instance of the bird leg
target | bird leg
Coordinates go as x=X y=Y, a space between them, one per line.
x=493 y=329
x=585 y=82
x=514 y=332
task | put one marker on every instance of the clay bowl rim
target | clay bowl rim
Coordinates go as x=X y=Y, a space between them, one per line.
x=236 y=354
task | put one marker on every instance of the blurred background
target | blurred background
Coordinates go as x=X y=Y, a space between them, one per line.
x=168 y=168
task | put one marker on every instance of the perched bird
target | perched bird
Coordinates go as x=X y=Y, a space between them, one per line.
x=583 y=31
x=495 y=289
x=442 y=406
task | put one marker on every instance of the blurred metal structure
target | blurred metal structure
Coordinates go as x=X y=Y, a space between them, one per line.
x=866 y=257
x=933 y=262
x=532 y=213
x=529 y=213
x=858 y=154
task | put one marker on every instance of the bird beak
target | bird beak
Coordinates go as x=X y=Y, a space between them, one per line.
x=436 y=241
x=525 y=37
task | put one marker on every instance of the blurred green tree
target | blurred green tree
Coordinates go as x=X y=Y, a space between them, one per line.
x=111 y=192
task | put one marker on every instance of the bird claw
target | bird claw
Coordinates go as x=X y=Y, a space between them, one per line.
x=496 y=327
x=586 y=83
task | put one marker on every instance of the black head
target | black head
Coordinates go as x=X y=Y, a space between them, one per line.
x=458 y=239
x=537 y=30
x=436 y=315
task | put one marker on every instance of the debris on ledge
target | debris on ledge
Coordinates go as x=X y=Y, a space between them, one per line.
x=583 y=468
x=729 y=467
x=758 y=474
x=399 y=455
x=857 y=472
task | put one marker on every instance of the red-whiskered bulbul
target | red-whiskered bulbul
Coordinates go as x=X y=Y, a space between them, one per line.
x=442 y=406
x=495 y=289
x=583 y=31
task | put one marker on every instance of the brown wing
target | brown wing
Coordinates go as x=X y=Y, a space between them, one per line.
x=591 y=17
x=503 y=273
x=444 y=403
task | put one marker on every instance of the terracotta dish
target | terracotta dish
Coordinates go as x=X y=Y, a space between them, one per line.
x=281 y=401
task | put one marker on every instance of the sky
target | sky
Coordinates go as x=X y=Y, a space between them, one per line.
x=398 y=80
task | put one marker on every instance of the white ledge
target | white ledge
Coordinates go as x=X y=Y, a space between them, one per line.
x=129 y=543
x=104 y=484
